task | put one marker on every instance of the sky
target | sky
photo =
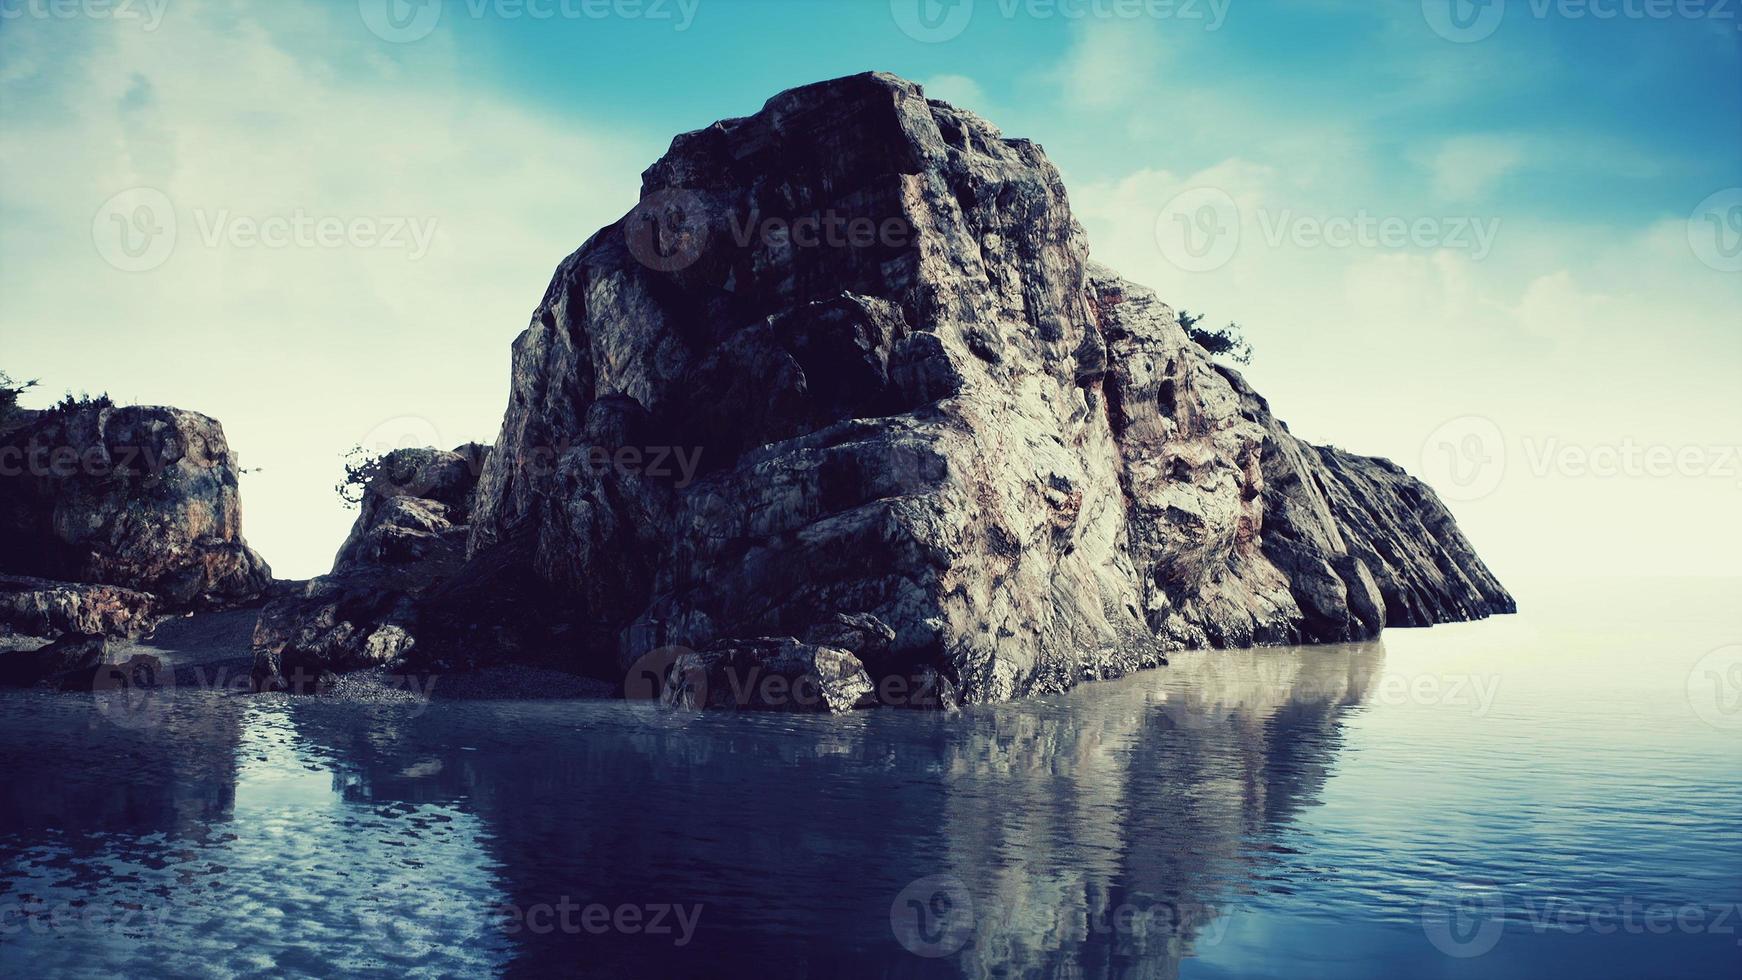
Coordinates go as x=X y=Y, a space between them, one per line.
x=1500 y=244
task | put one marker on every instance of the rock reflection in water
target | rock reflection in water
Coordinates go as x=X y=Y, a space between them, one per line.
x=1098 y=833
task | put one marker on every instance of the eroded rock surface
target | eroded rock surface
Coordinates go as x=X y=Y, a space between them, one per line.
x=142 y=497
x=46 y=608
x=919 y=406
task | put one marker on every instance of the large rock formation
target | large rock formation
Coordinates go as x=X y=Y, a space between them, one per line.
x=409 y=537
x=141 y=498
x=869 y=321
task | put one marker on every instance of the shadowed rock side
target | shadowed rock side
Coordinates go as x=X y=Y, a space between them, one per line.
x=953 y=427
x=409 y=537
x=125 y=501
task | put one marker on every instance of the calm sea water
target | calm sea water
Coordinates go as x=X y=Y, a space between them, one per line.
x=1558 y=792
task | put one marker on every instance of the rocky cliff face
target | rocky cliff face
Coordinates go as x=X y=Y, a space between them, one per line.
x=870 y=321
x=143 y=498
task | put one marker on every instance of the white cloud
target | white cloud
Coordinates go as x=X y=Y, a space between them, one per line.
x=1110 y=63
x=960 y=91
x=238 y=115
x=1466 y=168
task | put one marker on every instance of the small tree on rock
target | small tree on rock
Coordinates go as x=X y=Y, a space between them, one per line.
x=1224 y=342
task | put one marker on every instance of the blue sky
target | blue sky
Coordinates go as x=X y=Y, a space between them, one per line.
x=1563 y=166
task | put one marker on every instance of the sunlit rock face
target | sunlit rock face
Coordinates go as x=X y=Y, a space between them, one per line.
x=141 y=497
x=872 y=321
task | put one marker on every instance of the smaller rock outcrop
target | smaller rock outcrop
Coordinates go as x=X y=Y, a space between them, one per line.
x=140 y=497
x=43 y=607
x=409 y=536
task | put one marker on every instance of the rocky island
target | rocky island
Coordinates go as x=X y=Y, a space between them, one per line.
x=844 y=400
